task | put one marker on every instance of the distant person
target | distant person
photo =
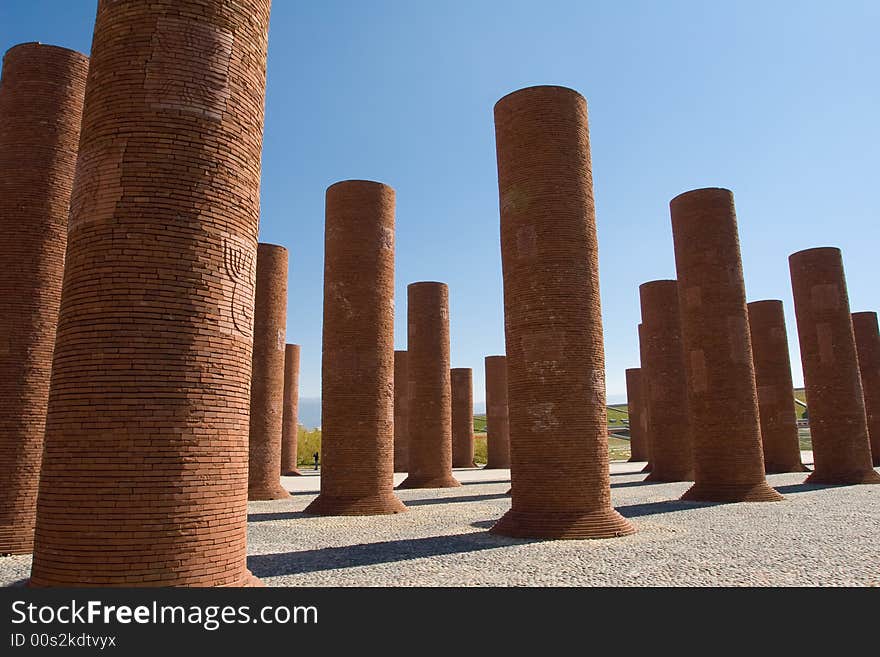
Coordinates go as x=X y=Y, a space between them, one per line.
x=315 y=456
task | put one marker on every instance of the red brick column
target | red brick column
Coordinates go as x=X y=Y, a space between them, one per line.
x=267 y=378
x=838 y=424
x=868 y=350
x=41 y=96
x=357 y=364
x=144 y=479
x=645 y=411
x=430 y=407
x=290 y=413
x=666 y=392
x=634 y=401
x=722 y=399
x=779 y=432
x=553 y=323
x=401 y=412
x=497 y=420
x=462 y=391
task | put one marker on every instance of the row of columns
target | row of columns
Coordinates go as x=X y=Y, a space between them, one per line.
x=167 y=406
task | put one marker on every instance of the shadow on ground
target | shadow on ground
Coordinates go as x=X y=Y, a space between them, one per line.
x=369 y=554
x=463 y=498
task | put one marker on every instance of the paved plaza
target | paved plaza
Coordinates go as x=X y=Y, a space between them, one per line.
x=818 y=536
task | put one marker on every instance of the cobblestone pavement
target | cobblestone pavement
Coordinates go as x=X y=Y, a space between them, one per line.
x=818 y=536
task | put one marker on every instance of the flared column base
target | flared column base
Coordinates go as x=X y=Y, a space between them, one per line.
x=843 y=478
x=292 y=473
x=725 y=493
x=782 y=468
x=277 y=492
x=443 y=481
x=372 y=505
x=606 y=523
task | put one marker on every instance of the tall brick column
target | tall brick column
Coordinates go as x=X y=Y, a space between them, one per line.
x=144 y=479
x=838 y=424
x=666 y=393
x=634 y=401
x=722 y=399
x=430 y=406
x=41 y=96
x=357 y=363
x=497 y=420
x=553 y=324
x=868 y=350
x=401 y=412
x=267 y=378
x=290 y=414
x=779 y=432
x=646 y=418
x=462 y=392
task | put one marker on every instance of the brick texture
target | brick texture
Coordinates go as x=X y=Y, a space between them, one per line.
x=836 y=406
x=401 y=412
x=290 y=414
x=779 y=432
x=868 y=350
x=462 y=392
x=430 y=406
x=145 y=467
x=267 y=375
x=497 y=419
x=666 y=385
x=645 y=411
x=634 y=402
x=357 y=375
x=722 y=398
x=553 y=324
x=41 y=96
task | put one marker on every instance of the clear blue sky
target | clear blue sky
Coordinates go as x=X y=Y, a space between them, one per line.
x=777 y=101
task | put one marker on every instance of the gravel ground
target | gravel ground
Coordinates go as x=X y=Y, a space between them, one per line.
x=819 y=536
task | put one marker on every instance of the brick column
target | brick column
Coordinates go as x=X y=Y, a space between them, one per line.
x=357 y=364
x=868 y=350
x=41 y=97
x=290 y=414
x=634 y=401
x=838 y=424
x=722 y=399
x=430 y=407
x=267 y=378
x=779 y=432
x=462 y=392
x=144 y=479
x=553 y=324
x=401 y=412
x=666 y=390
x=497 y=421
x=646 y=416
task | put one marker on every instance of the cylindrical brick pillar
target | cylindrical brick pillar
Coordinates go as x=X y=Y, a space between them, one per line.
x=401 y=412
x=553 y=323
x=497 y=421
x=357 y=363
x=41 y=97
x=267 y=378
x=144 y=478
x=666 y=390
x=637 y=447
x=290 y=414
x=838 y=424
x=779 y=432
x=645 y=416
x=868 y=350
x=722 y=399
x=430 y=407
x=462 y=392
